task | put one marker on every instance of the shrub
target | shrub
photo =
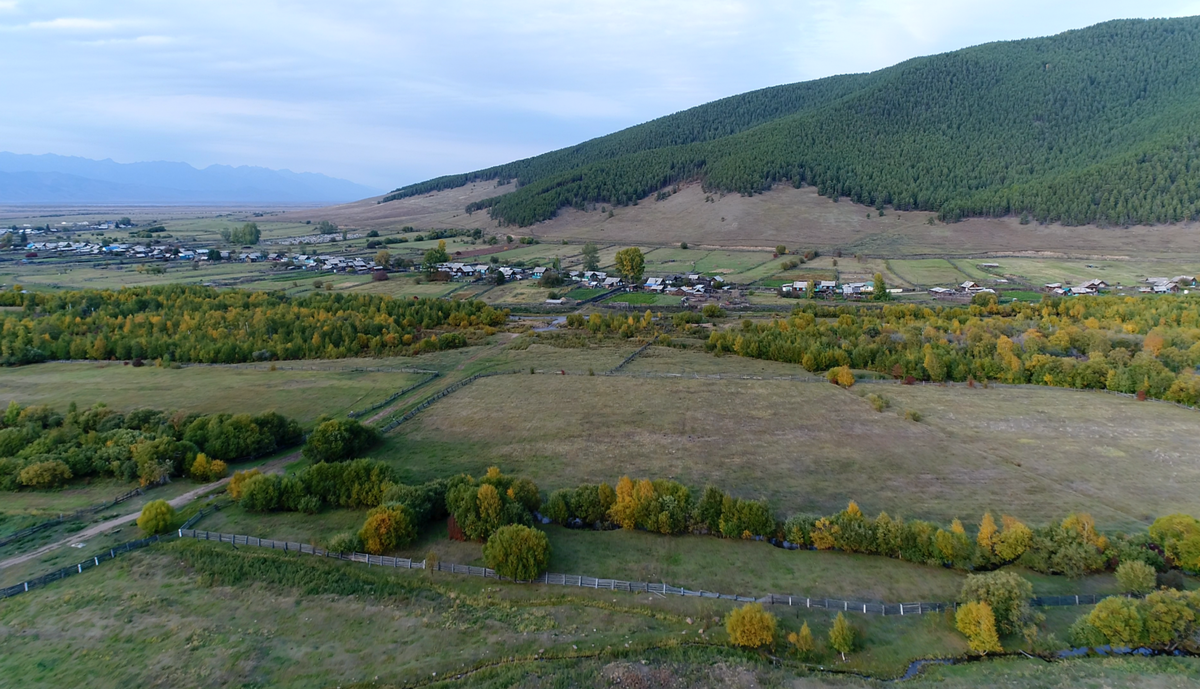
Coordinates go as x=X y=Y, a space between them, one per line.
x=337 y=440
x=712 y=311
x=977 y=622
x=840 y=376
x=156 y=517
x=558 y=507
x=49 y=474
x=803 y=643
x=878 y=402
x=1136 y=576
x=1006 y=593
x=517 y=552
x=347 y=542
x=750 y=626
x=387 y=528
x=238 y=481
x=912 y=415
x=205 y=470
x=1179 y=537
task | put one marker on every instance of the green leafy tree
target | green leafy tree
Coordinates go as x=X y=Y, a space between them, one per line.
x=518 y=552
x=156 y=517
x=880 y=292
x=1006 y=593
x=337 y=440
x=435 y=256
x=1136 y=576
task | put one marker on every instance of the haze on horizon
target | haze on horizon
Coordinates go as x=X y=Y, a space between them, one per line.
x=388 y=93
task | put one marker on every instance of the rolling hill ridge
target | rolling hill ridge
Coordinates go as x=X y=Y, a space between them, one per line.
x=1099 y=125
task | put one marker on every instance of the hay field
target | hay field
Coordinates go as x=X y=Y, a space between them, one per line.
x=1037 y=453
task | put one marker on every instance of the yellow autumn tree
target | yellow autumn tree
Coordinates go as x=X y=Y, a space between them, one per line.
x=624 y=510
x=1014 y=540
x=977 y=622
x=987 y=534
x=803 y=642
x=750 y=626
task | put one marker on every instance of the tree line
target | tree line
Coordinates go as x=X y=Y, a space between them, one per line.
x=178 y=323
x=1099 y=125
x=41 y=448
x=1147 y=345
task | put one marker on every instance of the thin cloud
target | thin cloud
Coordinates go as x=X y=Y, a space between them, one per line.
x=75 y=24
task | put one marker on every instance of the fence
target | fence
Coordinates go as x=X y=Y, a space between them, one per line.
x=660 y=588
x=74 y=515
x=629 y=358
x=81 y=567
x=396 y=421
x=393 y=398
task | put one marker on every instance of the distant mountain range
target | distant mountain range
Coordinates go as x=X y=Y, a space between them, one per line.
x=65 y=179
x=1099 y=125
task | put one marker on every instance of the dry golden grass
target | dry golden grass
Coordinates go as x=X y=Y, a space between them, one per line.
x=793 y=217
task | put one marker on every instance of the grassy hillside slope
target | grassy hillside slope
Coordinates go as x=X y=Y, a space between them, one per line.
x=1095 y=125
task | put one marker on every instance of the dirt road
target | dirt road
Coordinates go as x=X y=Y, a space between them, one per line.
x=273 y=467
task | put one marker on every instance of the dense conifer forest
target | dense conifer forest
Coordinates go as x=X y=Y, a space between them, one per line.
x=1099 y=125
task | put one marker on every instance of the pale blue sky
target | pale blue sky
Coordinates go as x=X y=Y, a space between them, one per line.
x=385 y=93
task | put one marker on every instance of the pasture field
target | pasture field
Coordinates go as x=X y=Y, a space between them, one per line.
x=1036 y=453
x=1073 y=271
x=930 y=272
x=301 y=390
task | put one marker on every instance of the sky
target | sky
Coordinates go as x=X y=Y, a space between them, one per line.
x=385 y=93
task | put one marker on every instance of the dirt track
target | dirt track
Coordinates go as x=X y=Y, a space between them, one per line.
x=273 y=466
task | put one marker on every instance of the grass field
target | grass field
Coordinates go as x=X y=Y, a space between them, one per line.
x=927 y=272
x=312 y=389
x=812 y=446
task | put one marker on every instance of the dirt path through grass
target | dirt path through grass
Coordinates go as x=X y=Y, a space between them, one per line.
x=274 y=466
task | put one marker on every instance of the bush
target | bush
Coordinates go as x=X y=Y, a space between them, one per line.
x=750 y=626
x=1136 y=576
x=712 y=311
x=878 y=402
x=347 y=542
x=156 y=517
x=1007 y=594
x=238 y=481
x=337 y=440
x=49 y=474
x=517 y=552
x=803 y=643
x=387 y=528
x=840 y=376
x=205 y=470
x=558 y=507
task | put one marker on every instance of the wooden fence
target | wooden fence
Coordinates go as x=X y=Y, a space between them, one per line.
x=81 y=567
x=396 y=421
x=78 y=514
x=393 y=398
x=626 y=360
x=574 y=580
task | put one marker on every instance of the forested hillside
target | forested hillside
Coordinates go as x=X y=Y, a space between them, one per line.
x=1097 y=125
